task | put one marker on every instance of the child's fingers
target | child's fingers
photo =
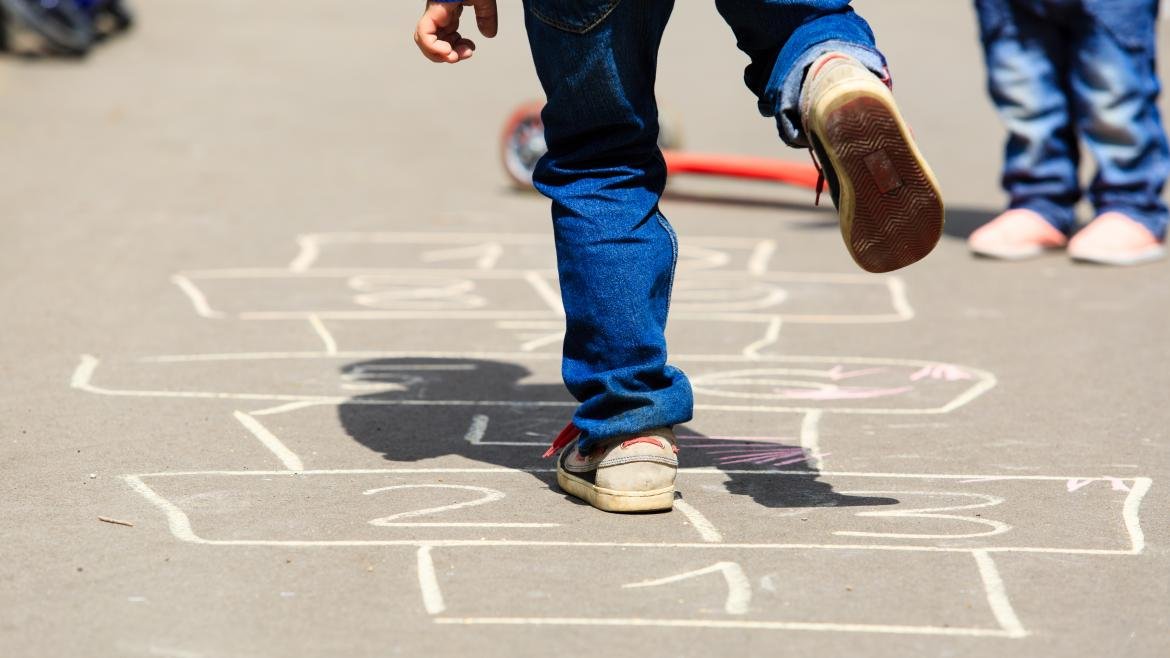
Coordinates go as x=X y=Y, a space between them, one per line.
x=486 y=17
x=432 y=47
x=464 y=48
x=433 y=35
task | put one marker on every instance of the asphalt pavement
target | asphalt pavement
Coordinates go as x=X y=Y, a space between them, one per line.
x=280 y=355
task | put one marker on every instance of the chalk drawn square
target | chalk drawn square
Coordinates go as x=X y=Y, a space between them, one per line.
x=929 y=512
x=386 y=508
x=496 y=251
x=778 y=589
x=765 y=384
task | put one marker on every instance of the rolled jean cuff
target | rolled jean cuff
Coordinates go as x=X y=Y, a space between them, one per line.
x=1060 y=216
x=783 y=98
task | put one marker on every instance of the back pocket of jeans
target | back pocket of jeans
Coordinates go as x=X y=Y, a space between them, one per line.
x=577 y=16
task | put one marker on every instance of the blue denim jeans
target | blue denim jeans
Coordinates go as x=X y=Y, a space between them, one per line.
x=616 y=252
x=1059 y=70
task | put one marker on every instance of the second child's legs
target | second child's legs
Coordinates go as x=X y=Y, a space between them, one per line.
x=1115 y=87
x=1027 y=59
x=1027 y=70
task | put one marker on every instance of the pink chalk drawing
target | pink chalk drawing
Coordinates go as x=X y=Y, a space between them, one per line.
x=727 y=451
x=838 y=372
x=943 y=371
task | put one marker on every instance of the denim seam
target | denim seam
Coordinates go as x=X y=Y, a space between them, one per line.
x=575 y=30
x=674 y=260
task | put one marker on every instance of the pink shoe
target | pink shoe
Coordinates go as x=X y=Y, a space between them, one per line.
x=1114 y=239
x=1016 y=235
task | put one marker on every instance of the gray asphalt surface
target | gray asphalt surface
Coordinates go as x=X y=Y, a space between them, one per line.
x=259 y=239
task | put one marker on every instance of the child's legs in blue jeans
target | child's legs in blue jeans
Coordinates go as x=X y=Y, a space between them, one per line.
x=1027 y=78
x=604 y=173
x=1116 y=88
x=616 y=253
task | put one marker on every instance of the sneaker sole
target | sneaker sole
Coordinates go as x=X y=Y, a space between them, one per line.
x=1012 y=254
x=609 y=500
x=1140 y=258
x=889 y=201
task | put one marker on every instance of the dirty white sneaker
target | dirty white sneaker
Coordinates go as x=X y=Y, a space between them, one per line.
x=625 y=474
x=887 y=197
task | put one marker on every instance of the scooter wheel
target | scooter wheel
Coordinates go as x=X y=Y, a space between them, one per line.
x=522 y=143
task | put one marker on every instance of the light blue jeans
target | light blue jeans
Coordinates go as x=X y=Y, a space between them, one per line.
x=616 y=252
x=1059 y=70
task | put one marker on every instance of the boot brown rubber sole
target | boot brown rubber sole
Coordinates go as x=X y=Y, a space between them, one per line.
x=889 y=201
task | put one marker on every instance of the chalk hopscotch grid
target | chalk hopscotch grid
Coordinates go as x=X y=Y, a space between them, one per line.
x=486 y=250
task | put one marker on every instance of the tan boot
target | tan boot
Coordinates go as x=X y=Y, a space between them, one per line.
x=625 y=474
x=889 y=202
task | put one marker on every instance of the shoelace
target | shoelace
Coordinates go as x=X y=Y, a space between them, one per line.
x=571 y=432
x=820 y=176
x=567 y=436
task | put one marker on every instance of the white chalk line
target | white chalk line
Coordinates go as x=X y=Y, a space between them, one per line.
x=485 y=315
x=725 y=624
x=446 y=237
x=899 y=298
x=181 y=528
x=287 y=457
x=542 y=340
x=486 y=254
x=546 y=292
x=698 y=521
x=475 y=431
x=1130 y=512
x=285 y=408
x=757 y=263
x=1131 y=498
x=83 y=375
x=326 y=338
x=810 y=440
x=733 y=276
x=308 y=254
x=486 y=496
x=195 y=295
x=739 y=588
x=177 y=521
x=428 y=582
x=997 y=597
x=771 y=335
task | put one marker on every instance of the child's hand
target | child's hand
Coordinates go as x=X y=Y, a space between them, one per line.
x=437 y=34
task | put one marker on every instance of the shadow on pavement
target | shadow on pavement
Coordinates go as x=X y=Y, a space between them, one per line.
x=962 y=221
x=421 y=409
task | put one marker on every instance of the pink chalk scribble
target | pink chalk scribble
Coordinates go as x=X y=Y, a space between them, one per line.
x=942 y=371
x=770 y=454
x=838 y=372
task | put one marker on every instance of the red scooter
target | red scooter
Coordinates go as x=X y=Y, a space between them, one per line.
x=522 y=145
